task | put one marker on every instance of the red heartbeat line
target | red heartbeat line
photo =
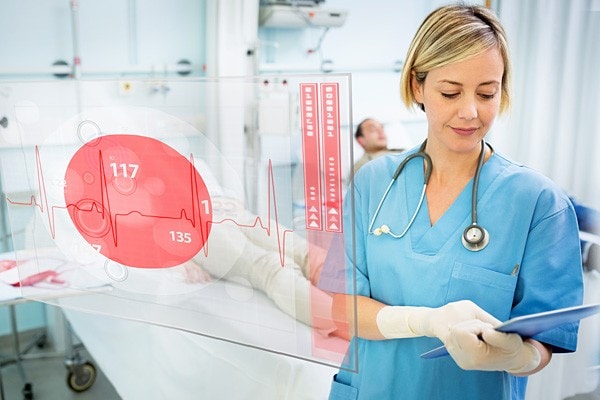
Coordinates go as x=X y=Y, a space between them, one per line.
x=280 y=231
x=103 y=207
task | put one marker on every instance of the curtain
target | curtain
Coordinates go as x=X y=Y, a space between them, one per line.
x=554 y=127
x=554 y=123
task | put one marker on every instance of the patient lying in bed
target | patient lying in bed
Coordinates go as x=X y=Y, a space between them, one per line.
x=285 y=267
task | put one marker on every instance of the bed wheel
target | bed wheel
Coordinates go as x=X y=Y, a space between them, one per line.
x=82 y=377
x=28 y=391
x=40 y=343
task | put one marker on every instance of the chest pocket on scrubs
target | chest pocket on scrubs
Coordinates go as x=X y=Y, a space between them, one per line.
x=491 y=290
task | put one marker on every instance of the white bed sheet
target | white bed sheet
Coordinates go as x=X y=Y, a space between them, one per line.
x=153 y=362
x=129 y=337
x=221 y=308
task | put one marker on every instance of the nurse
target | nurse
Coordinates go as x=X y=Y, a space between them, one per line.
x=415 y=290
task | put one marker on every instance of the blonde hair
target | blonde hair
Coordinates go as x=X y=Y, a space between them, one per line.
x=450 y=34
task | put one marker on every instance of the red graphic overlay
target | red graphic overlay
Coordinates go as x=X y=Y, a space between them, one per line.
x=309 y=116
x=270 y=226
x=124 y=194
x=267 y=227
x=330 y=121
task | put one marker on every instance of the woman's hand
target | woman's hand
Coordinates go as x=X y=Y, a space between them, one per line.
x=407 y=321
x=476 y=345
x=437 y=322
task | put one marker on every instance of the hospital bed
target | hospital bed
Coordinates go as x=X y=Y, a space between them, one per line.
x=224 y=340
x=186 y=365
x=81 y=373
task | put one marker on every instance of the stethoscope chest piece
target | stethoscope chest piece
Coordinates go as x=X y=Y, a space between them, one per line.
x=475 y=237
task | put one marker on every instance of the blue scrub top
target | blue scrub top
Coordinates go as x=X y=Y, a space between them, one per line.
x=531 y=264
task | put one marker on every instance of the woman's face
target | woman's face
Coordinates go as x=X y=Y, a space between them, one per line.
x=462 y=100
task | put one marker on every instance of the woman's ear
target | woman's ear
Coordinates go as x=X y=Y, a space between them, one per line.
x=417 y=88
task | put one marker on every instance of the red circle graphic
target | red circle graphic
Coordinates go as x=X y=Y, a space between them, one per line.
x=138 y=201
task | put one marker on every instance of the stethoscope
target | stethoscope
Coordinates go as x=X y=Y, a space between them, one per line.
x=474 y=237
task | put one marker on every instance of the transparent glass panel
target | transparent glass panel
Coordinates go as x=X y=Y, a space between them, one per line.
x=210 y=206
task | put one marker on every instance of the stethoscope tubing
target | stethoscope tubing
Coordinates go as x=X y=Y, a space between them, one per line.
x=467 y=242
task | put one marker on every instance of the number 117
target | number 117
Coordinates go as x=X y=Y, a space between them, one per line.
x=124 y=168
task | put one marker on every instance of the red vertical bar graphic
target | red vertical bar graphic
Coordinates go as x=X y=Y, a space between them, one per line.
x=332 y=171
x=311 y=156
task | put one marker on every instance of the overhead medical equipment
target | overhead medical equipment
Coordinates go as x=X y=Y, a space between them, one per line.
x=474 y=237
x=299 y=14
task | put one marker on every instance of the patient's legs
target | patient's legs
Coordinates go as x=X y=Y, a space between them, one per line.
x=229 y=253
x=308 y=256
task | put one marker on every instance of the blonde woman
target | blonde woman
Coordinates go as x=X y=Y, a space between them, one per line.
x=485 y=240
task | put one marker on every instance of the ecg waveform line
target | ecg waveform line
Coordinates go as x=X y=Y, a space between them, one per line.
x=258 y=222
x=103 y=207
x=105 y=201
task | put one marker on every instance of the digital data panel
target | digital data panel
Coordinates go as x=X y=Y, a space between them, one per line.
x=210 y=206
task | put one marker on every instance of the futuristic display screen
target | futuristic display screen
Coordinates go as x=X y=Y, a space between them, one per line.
x=210 y=206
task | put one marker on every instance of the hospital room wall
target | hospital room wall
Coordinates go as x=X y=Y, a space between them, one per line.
x=112 y=37
x=115 y=39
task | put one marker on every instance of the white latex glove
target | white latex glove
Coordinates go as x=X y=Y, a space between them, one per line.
x=475 y=345
x=437 y=322
x=405 y=321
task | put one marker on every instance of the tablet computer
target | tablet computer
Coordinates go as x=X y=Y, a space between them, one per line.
x=530 y=325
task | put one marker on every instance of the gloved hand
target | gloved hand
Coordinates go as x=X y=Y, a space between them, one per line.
x=475 y=345
x=437 y=322
x=406 y=321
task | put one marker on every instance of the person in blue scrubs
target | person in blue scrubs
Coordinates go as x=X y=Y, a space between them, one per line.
x=424 y=288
